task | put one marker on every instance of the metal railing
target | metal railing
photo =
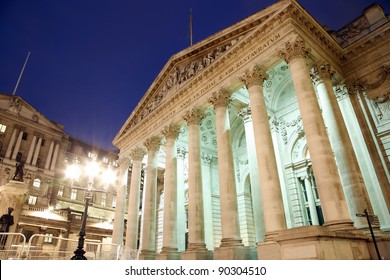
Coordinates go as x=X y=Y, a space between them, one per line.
x=16 y=248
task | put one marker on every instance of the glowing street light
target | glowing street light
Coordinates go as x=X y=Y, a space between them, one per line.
x=92 y=169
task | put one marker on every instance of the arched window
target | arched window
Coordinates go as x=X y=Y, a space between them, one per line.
x=37 y=183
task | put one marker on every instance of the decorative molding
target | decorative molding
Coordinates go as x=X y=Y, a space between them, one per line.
x=321 y=72
x=245 y=114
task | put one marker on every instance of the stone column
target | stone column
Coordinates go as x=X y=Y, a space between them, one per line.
x=17 y=145
x=121 y=189
x=324 y=165
x=31 y=150
x=37 y=149
x=181 y=225
x=54 y=161
x=258 y=212
x=148 y=247
x=231 y=237
x=49 y=155
x=274 y=218
x=351 y=177
x=137 y=156
x=170 y=248
x=196 y=246
x=11 y=143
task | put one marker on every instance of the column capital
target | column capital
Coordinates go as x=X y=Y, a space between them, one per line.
x=293 y=49
x=124 y=162
x=171 y=131
x=206 y=158
x=245 y=114
x=137 y=154
x=220 y=98
x=255 y=75
x=320 y=72
x=194 y=116
x=153 y=143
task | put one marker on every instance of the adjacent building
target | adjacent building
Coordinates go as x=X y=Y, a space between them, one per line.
x=48 y=211
x=263 y=141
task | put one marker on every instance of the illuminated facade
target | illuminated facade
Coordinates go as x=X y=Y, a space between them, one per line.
x=47 y=210
x=263 y=141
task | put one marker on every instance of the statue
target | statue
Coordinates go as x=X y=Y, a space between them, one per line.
x=6 y=221
x=18 y=176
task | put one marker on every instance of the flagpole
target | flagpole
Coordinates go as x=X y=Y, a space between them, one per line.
x=190 y=26
x=21 y=73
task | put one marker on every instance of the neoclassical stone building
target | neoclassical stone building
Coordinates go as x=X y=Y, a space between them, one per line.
x=263 y=141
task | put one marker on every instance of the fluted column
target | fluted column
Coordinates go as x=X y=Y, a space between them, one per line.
x=118 y=226
x=11 y=143
x=49 y=155
x=274 y=218
x=170 y=246
x=324 y=165
x=196 y=244
x=227 y=182
x=137 y=156
x=37 y=149
x=351 y=177
x=258 y=213
x=17 y=145
x=55 y=155
x=148 y=248
x=31 y=150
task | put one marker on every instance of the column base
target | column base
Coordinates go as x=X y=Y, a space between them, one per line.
x=316 y=242
x=168 y=254
x=129 y=254
x=147 y=255
x=232 y=253
x=197 y=251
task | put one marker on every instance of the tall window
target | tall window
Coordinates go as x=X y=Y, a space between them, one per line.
x=103 y=201
x=2 y=128
x=60 y=191
x=32 y=200
x=73 y=194
x=113 y=203
x=24 y=137
x=48 y=238
x=37 y=183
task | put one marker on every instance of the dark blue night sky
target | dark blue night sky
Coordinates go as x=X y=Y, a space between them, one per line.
x=92 y=60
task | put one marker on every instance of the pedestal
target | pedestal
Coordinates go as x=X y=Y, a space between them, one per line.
x=13 y=194
x=168 y=255
x=147 y=255
x=232 y=253
x=197 y=255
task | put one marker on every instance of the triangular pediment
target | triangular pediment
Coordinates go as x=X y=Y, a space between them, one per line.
x=186 y=65
x=17 y=107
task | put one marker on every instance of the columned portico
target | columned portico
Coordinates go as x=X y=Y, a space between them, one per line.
x=324 y=166
x=170 y=247
x=148 y=241
x=196 y=244
x=131 y=243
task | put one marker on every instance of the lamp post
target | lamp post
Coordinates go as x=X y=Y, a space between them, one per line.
x=92 y=169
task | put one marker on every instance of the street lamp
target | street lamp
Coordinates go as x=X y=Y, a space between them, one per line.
x=92 y=169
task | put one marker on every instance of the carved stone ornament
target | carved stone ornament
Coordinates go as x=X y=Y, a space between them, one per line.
x=194 y=116
x=293 y=49
x=171 y=131
x=124 y=162
x=245 y=114
x=319 y=73
x=254 y=76
x=15 y=105
x=153 y=143
x=137 y=154
x=220 y=98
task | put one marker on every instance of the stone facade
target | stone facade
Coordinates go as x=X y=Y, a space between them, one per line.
x=285 y=127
